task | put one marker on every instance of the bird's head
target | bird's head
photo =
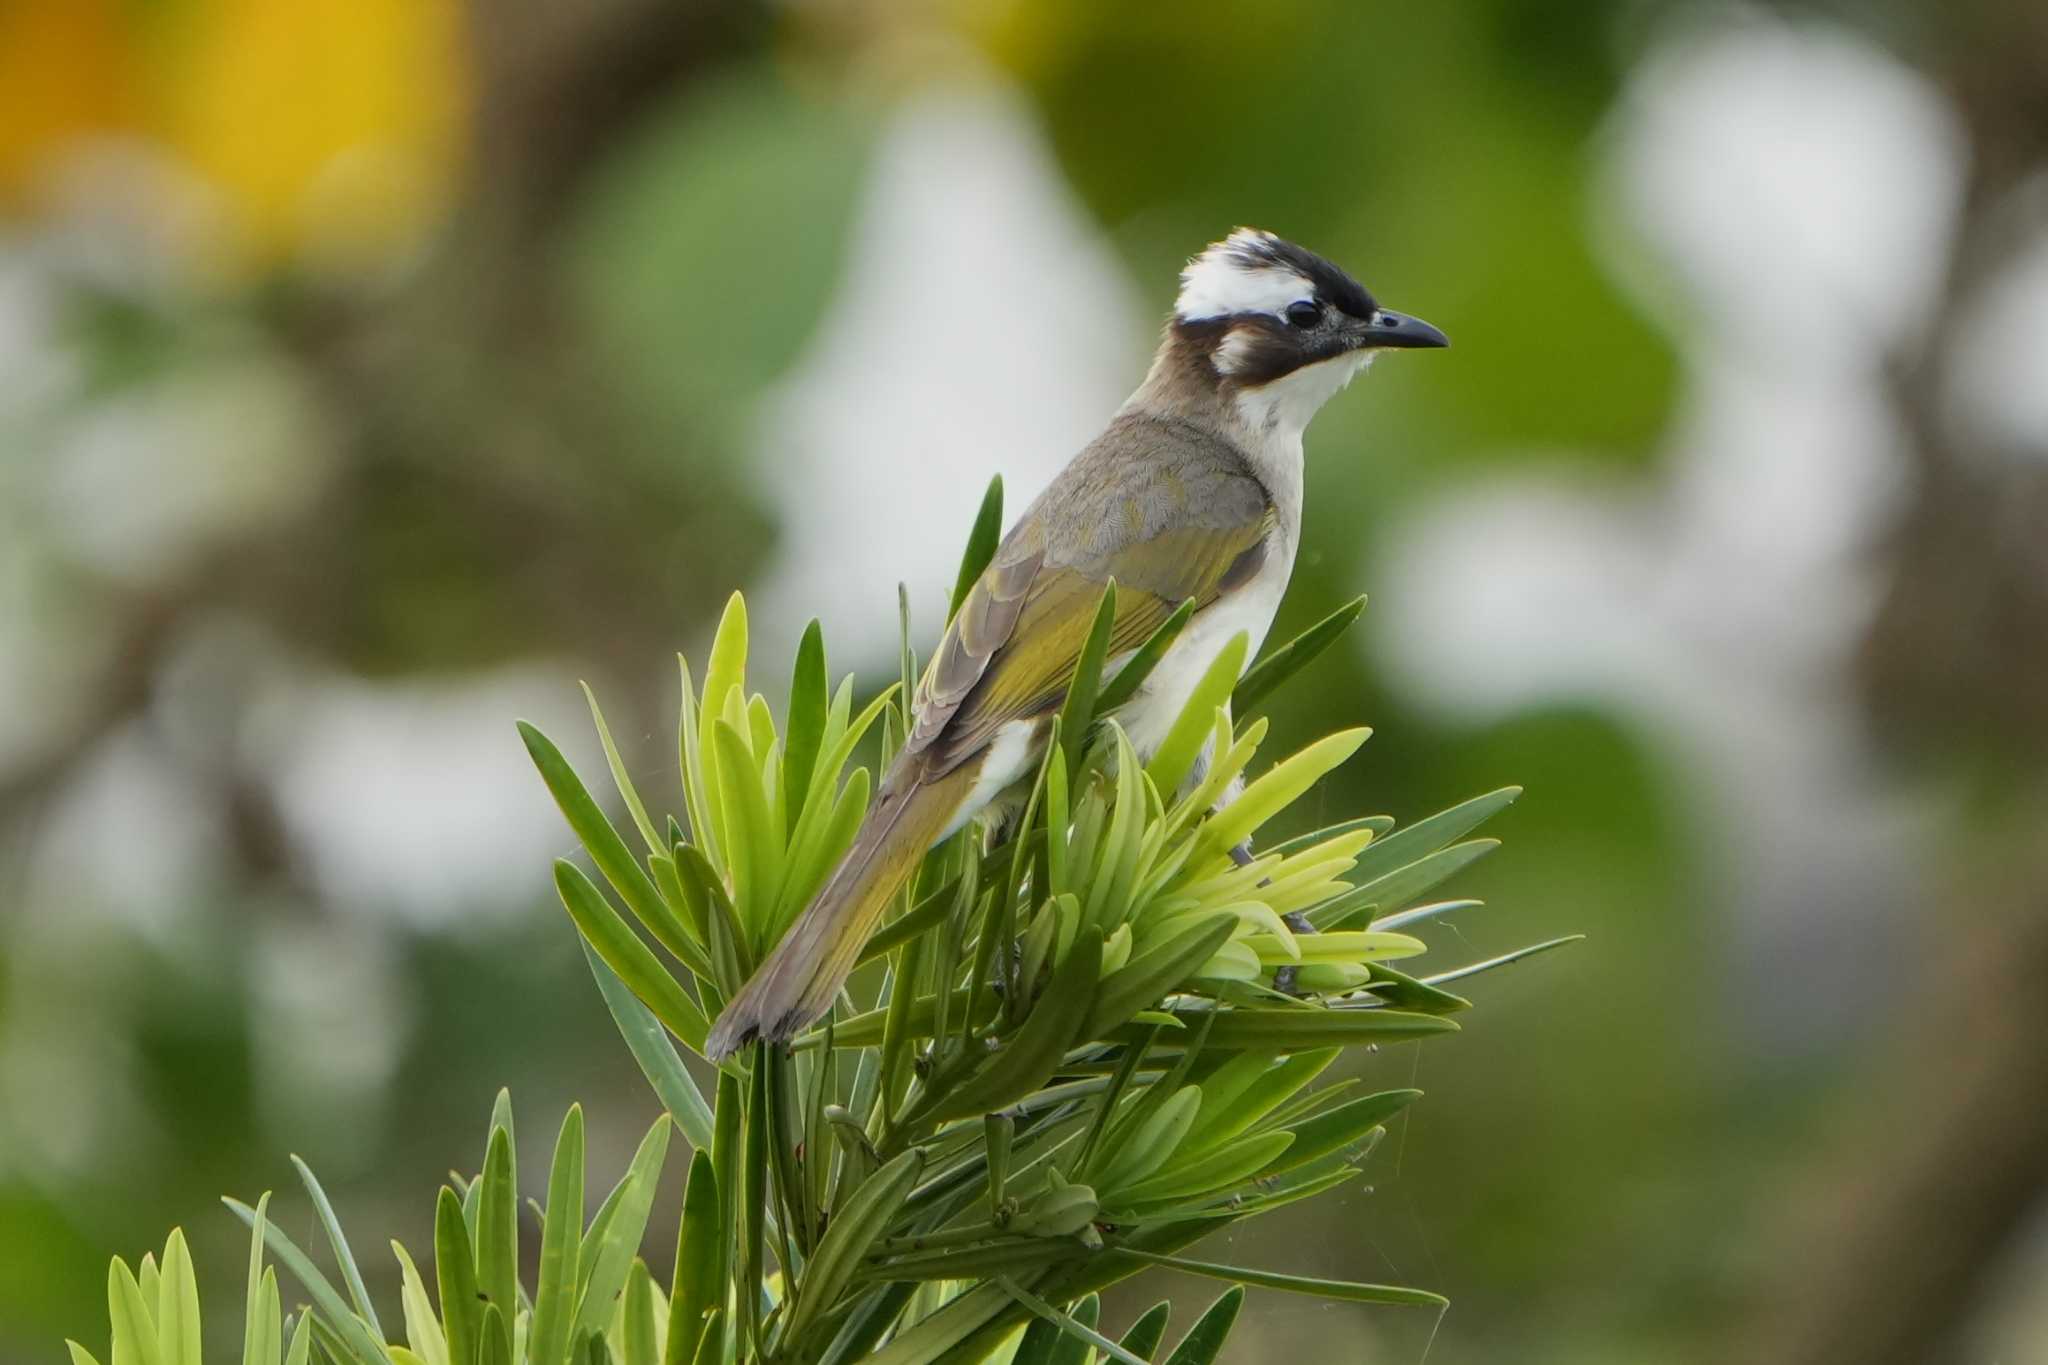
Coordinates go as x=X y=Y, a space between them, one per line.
x=1279 y=329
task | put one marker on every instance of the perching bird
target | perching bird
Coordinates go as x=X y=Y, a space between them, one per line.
x=1194 y=491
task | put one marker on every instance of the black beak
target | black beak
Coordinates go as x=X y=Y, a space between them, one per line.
x=1397 y=329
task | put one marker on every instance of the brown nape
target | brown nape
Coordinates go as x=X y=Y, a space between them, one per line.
x=1184 y=375
x=1182 y=380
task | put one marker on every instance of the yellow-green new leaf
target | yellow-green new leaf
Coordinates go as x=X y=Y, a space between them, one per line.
x=252 y=1318
x=1175 y=757
x=134 y=1325
x=1135 y=1154
x=1143 y=980
x=1277 y=790
x=422 y=1329
x=177 y=1305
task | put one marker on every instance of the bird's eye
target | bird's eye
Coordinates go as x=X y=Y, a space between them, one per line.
x=1303 y=313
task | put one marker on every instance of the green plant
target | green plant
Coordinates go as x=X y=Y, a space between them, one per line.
x=1079 y=1046
x=1082 y=1045
x=153 y=1312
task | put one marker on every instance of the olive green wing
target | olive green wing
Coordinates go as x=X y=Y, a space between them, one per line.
x=1011 y=650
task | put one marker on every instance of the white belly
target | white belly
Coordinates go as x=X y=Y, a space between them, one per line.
x=1150 y=715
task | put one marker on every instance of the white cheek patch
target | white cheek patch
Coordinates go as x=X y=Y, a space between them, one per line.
x=1234 y=351
x=1224 y=280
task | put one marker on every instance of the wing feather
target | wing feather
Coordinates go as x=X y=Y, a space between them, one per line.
x=1015 y=642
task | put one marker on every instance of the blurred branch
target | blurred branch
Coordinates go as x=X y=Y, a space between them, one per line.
x=1913 y=1209
x=559 y=85
x=1943 y=1165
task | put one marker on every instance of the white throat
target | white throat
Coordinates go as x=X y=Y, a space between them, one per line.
x=1280 y=411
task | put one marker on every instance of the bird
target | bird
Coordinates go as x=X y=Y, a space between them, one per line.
x=1193 y=491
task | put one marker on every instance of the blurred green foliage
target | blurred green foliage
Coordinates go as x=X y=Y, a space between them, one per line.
x=522 y=443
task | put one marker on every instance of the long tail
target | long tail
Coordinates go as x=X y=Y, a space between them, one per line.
x=800 y=979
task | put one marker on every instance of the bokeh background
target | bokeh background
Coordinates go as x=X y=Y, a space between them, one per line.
x=372 y=370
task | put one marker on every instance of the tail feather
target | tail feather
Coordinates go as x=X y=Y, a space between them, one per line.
x=800 y=979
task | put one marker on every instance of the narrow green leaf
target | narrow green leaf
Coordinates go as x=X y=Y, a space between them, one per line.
x=79 y=1355
x=148 y=1282
x=754 y=1210
x=455 y=1279
x=269 y=1344
x=620 y=778
x=930 y=1338
x=1223 y=1118
x=1406 y=993
x=1339 y=1128
x=1078 y=1327
x=1039 y=1045
x=1141 y=1146
x=252 y=1323
x=1138 y=667
x=1424 y=837
x=1295 y=1030
x=1378 y=824
x=343 y=1257
x=856 y=1229
x=177 y=1305
x=1148 y=1331
x=636 y=1335
x=698 y=1284
x=422 y=1329
x=711 y=1345
x=1077 y=713
x=753 y=838
x=1345 y=1290
x=625 y=953
x=495 y=1346
x=1288 y=660
x=1194 y=1177
x=1146 y=978
x=561 y=1237
x=1365 y=901
x=607 y=1254
x=1176 y=755
x=302 y=1342
x=810 y=704
x=134 y=1325
x=659 y=1061
x=1276 y=790
x=1204 y=1341
x=330 y=1345
x=1504 y=960
x=607 y=850
x=1106 y=1104
x=1022 y=1257
x=358 y=1345
x=497 y=1229
x=981 y=545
